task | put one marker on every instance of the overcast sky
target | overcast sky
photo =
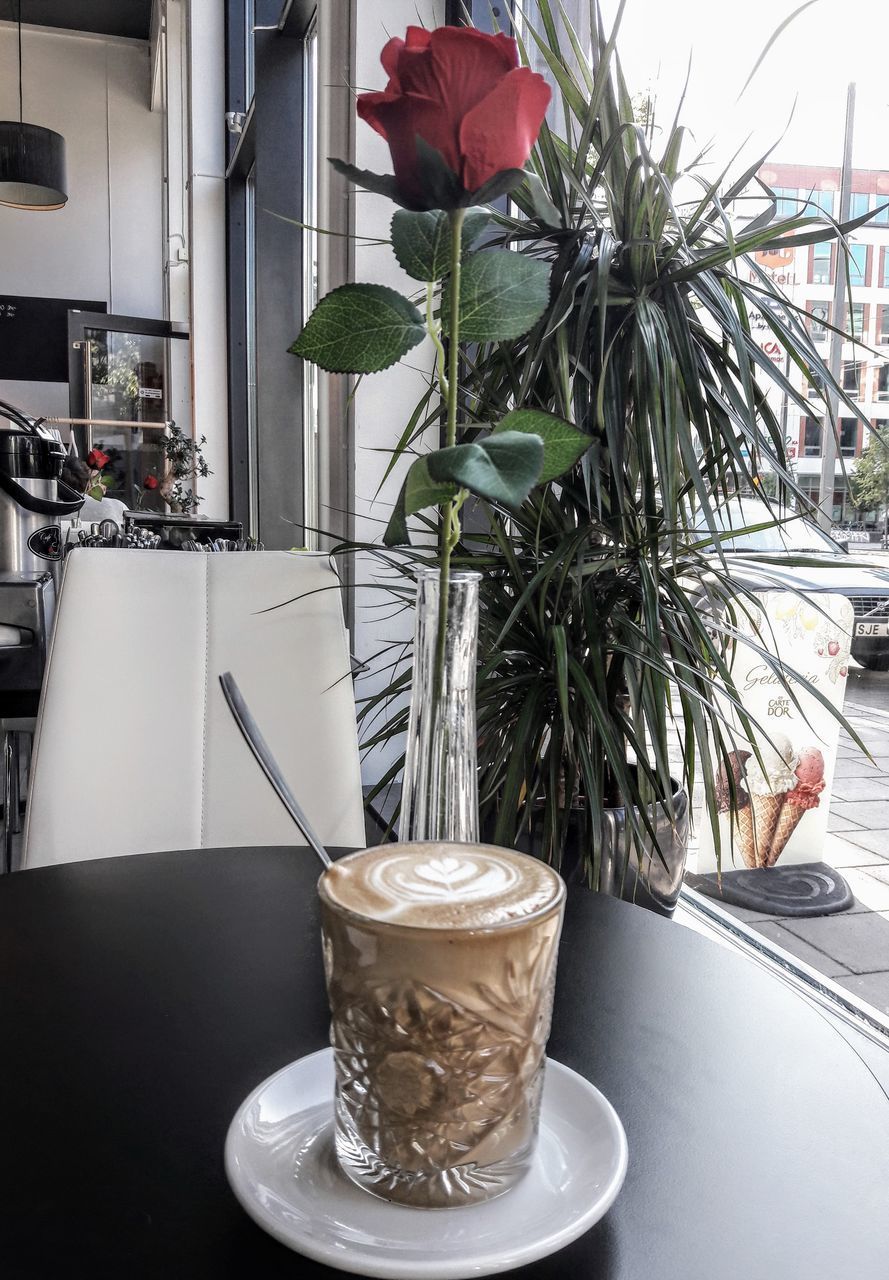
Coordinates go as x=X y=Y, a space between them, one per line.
x=813 y=60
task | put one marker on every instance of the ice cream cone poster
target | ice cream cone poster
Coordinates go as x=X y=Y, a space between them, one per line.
x=774 y=806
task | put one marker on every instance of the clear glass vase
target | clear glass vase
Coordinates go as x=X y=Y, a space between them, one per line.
x=439 y=799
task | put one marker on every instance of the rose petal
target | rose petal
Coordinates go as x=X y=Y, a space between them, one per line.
x=400 y=120
x=460 y=67
x=389 y=58
x=500 y=132
x=368 y=107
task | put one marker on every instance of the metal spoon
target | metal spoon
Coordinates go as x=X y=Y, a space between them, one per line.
x=267 y=762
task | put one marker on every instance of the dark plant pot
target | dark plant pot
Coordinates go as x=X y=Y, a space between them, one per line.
x=652 y=882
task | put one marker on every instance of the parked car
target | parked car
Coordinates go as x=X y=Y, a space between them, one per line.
x=755 y=557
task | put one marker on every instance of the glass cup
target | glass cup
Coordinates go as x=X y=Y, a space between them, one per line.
x=440 y=963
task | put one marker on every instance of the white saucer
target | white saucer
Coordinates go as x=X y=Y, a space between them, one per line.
x=280 y=1162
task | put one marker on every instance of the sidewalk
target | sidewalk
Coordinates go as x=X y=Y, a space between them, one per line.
x=851 y=947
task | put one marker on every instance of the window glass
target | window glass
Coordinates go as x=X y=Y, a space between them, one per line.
x=858 y=264
x=884 y=275
x=851 y=375
x=883 y=325
x=812 y=438
x=860 y=204
x=819 y=202
x=820 y=313
x=883 y=383
x=855 y=319
x=848 y=436
x=821 y=263
x=787 y=202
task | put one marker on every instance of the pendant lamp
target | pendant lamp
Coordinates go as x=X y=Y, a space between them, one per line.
x=32 y=159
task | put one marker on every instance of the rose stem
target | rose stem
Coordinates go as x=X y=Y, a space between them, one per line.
x=449 y=534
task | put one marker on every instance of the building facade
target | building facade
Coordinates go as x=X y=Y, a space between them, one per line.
x=808 y=274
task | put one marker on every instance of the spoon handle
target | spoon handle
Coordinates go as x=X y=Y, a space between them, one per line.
x=269 y=765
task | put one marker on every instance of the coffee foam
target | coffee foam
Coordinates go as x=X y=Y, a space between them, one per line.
x=442 y=886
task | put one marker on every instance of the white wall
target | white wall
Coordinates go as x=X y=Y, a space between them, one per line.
x=107 y=241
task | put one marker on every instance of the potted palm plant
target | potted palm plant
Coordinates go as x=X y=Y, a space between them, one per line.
x=599 y=669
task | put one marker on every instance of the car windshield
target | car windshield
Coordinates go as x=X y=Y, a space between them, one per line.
x=797 y=537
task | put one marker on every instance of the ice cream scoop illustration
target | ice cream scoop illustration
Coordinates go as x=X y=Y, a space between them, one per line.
x=736 y=761
x=799 y=800
x=769 y=779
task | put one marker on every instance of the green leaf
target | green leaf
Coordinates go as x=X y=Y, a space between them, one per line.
x=502 y=468
x=502 y=295
x=360 y=328
x=422 y=241
x=563 y=444
x=382 y=184
x=500 y=185
x=418 y=491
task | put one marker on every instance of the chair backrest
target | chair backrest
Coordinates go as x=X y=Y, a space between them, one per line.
x=136 y=750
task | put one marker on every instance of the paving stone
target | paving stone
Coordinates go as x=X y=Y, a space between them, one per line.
x=871 y=892
x=857 y=940
x=802 y=950
x=872 y=987
x=870 y=814
x=874 y=841
x=859 y=767
x=839 y=822
x=855 y=789
x=840 y=852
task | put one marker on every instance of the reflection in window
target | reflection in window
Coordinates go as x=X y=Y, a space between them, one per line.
x=821 y=258
x=864 y=203
x=883 y=325
x=848 y=436
x=884 y=274
x=812 y=438
x=820 y=313
x=855 y=319
x=883 y=383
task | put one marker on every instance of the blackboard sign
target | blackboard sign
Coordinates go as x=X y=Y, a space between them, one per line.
x=34 y=336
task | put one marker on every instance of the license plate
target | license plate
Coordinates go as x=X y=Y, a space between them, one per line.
x=872 y=628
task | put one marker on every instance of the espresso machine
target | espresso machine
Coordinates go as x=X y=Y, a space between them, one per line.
x=33 y=501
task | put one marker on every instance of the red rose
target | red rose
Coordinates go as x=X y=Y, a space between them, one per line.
x=150 y=482
x=97 y=459
x=463 y=92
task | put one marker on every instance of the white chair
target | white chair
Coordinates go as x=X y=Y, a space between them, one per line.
x=136 y=750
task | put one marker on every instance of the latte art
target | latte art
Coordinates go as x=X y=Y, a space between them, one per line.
x=442 y=886
x=449 y=879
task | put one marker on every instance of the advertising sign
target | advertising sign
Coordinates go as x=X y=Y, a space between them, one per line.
x=782 y=788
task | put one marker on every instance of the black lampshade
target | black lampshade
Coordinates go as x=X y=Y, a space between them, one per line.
x=32 y=166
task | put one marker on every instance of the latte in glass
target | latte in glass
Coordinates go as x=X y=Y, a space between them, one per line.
x=440 y=964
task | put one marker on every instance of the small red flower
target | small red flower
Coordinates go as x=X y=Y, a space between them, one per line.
x=833 y=648
x=97 y=459
x=150 y=482
x=463 y=92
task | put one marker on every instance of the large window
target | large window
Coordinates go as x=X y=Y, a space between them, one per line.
x=883 y=383
x=272 y=84
x=855 y=319
x=787 y=202
x=884 y=268
x=863 y=203
x=812 y=438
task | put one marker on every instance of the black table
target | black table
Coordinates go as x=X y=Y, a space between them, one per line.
x=144 y=997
